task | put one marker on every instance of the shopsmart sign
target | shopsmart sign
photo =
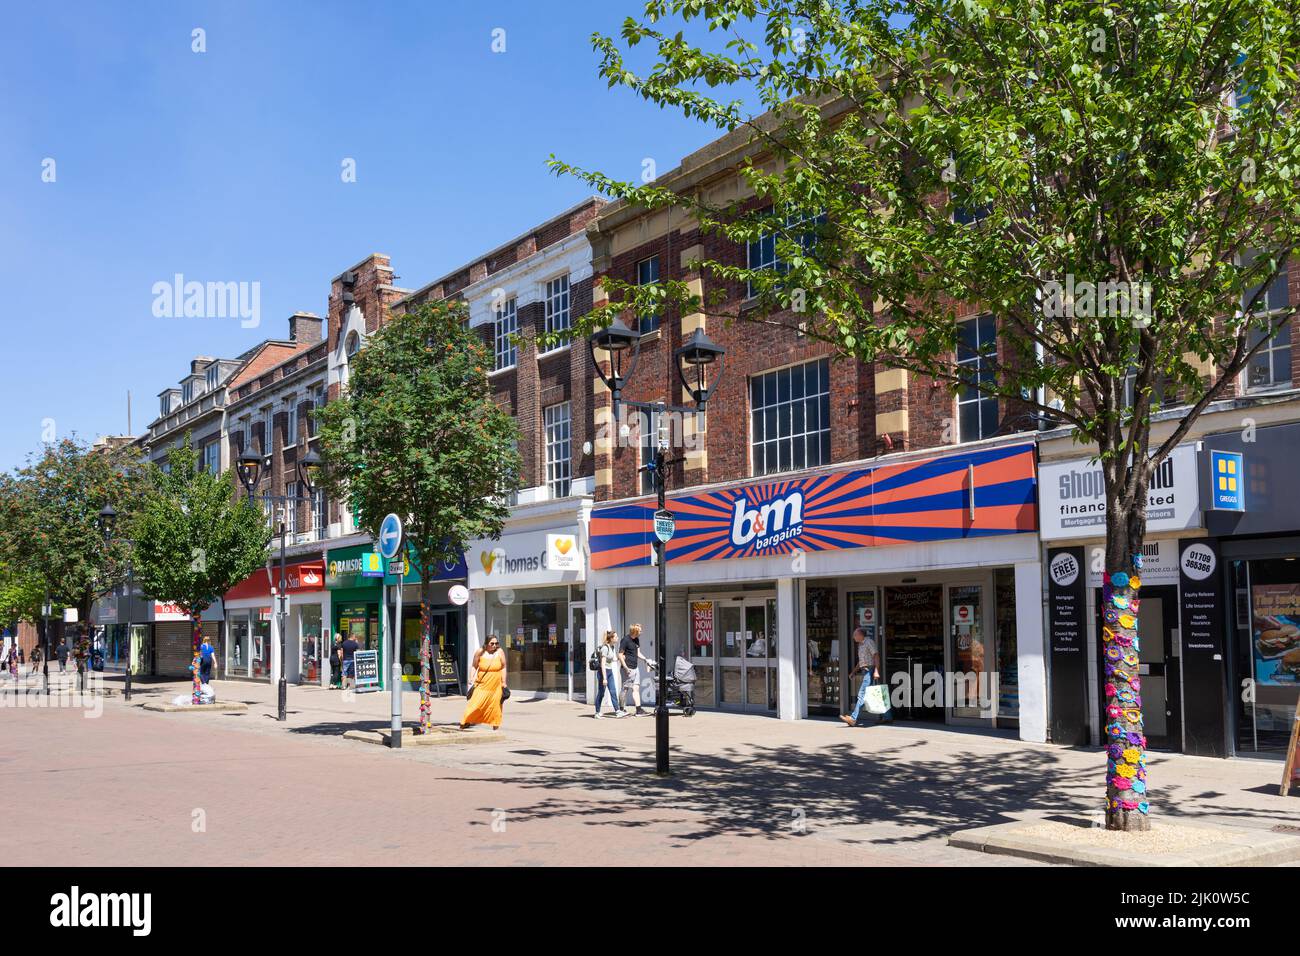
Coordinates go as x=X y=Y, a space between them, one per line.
x=976 y=494
x=1073 y=497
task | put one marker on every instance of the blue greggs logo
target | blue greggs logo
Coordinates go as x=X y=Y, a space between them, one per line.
x=768 y=523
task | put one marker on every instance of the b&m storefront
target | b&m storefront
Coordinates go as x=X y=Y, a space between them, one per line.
x=937 y=558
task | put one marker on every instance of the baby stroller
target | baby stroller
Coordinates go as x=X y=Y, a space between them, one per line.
x=681 y=686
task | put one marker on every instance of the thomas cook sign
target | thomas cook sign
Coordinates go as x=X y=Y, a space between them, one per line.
x=527 y=559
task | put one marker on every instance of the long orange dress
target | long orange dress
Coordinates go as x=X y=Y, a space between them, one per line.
x=484 y=704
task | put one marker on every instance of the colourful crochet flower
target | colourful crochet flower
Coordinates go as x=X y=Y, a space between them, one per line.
x=1120 y=601
x=1107 y=635
x=1115 y=751
x=1141 y=773
x=1133 y=604
x=1137 y=701
x=1113 y=653
x=1120 y=783
x=1138 y=786
x=1110 y=690
x=1115 y=730
x=1131 y=659
x=1126 y=696
x=1128 y=805
x=1143 y=807
x=1134 y=582
x=1136 y=683
x=1131 y=754
x=1136 y=739
x=1127 y=620
x=1137 y=561
x=1111 y=615
x=1114 y=711
x=1119 y=579
x=1125 y=770
x=1133 y=716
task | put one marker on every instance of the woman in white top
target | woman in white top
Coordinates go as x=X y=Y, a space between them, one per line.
x=608 y=651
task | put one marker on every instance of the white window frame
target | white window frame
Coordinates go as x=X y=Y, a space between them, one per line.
x=290 y=509
x=268 y=431
x=210 y=376
x=558 y=432
x=772 y=444
x=319 y=512
x=646 y=442
x=212 y=449
x=559 y=306
x=775 y=263
x=976 y=361
x=505 y=323
x=1269 y=312
x=290 y=421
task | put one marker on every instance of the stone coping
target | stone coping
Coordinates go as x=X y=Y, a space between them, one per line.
x=1165 y=844
x=439 y=735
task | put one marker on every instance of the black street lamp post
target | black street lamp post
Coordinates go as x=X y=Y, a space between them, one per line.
x=692 y=359
x=247 y=468
x=107 y=525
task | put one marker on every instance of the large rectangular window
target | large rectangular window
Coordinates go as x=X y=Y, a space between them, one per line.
x=319 y=514
x=790 y=418
x=268 y=430
x=505 y=324
x=1270 y=367
x=290 y=421
x=648 y=438
x=212 y=457
x=291 y=509
x=557 y=305
x=558 y=474
x=762 y=252
x=977 y=413
x=647 y=272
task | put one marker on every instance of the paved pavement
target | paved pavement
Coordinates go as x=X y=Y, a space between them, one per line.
x=556 y=787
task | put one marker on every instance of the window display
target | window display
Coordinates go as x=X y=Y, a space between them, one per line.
x=1268 y=652
x=823 y=637
x=533 y=626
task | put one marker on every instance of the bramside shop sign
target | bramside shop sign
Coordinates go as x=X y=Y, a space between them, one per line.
x=1072 y=497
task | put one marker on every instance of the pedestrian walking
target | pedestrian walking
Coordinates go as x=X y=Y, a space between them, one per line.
x=348 y=649
x=62 y=651
x=37 y=656
x=606 y=662
x=207 y=654
x=488 y=686
x=630 y=656
x=869 y=666
x=336 y=662
x=11 y=662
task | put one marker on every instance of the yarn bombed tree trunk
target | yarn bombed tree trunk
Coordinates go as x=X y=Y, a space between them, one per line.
x=1127 y=795
x=196 y=691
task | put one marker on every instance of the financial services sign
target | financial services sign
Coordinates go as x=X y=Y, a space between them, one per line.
x=1072 y=497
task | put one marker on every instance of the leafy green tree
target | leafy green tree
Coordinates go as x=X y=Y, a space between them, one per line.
x=194 y=539
x=1060 y=165
x=418 y=433
x=50 y=541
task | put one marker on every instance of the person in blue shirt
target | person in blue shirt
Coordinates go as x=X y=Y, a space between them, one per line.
x=206 y=652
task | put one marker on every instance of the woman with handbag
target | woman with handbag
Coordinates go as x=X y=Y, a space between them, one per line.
x=488 y=686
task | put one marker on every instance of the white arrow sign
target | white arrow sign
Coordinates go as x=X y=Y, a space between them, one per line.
x=390 y=536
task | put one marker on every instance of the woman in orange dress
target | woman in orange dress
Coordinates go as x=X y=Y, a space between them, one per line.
x=484 y=703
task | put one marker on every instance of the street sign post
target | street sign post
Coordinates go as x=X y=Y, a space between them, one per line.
x=390 y=537
x=665 y=525
x=391 y=542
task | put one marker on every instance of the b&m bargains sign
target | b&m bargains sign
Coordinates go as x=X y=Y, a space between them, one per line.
x=982 y=493
x=1072 y=497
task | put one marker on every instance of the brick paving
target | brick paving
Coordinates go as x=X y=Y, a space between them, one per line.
x=131 y=787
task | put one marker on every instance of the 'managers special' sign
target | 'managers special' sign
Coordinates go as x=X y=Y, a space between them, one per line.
x=926 y=500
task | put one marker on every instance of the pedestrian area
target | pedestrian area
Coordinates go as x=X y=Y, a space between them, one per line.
x=744 y=788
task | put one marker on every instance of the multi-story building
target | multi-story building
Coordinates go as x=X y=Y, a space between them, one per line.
x=815 y=496
x=528 y=586
x=269 y=411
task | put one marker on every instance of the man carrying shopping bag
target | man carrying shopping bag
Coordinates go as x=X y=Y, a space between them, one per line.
x=873 y=694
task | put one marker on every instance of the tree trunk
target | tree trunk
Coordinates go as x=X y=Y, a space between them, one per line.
x=1127 y=796
x=196 y=692
x=426 y=718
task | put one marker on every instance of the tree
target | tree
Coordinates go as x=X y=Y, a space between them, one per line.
x=50 y=541
x=194 y=540
x=1115 y=182
x=418 y=434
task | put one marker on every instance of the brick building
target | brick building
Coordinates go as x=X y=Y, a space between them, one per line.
x=528 y=586
x=819 y=495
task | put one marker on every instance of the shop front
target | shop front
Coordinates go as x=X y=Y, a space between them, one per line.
x=1254 y=542
x=935 y=559
x=1072 y=526
x=252 y=625
x=527 y=588
x=357 y=602
x=171 y=651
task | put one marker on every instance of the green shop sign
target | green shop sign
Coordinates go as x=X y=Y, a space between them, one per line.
x=344 y=566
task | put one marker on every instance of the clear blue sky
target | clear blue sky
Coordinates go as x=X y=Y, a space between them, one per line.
x=225 y=166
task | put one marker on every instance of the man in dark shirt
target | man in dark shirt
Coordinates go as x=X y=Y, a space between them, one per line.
x=630 y=656
x=350 y=648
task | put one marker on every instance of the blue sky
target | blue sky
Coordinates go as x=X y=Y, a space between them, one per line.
x=225 y=166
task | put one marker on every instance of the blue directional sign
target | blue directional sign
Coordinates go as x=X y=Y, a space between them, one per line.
x=390 y=537
x=1227 y=481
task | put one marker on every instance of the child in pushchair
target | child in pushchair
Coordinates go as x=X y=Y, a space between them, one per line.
x=681 y=686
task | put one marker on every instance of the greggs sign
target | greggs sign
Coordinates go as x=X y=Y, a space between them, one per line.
x=981 y=493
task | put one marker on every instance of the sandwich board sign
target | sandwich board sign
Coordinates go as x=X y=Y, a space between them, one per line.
x=366 y=667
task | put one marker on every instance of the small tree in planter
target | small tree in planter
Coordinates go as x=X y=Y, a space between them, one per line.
x=194 y=539
x=417 y=433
